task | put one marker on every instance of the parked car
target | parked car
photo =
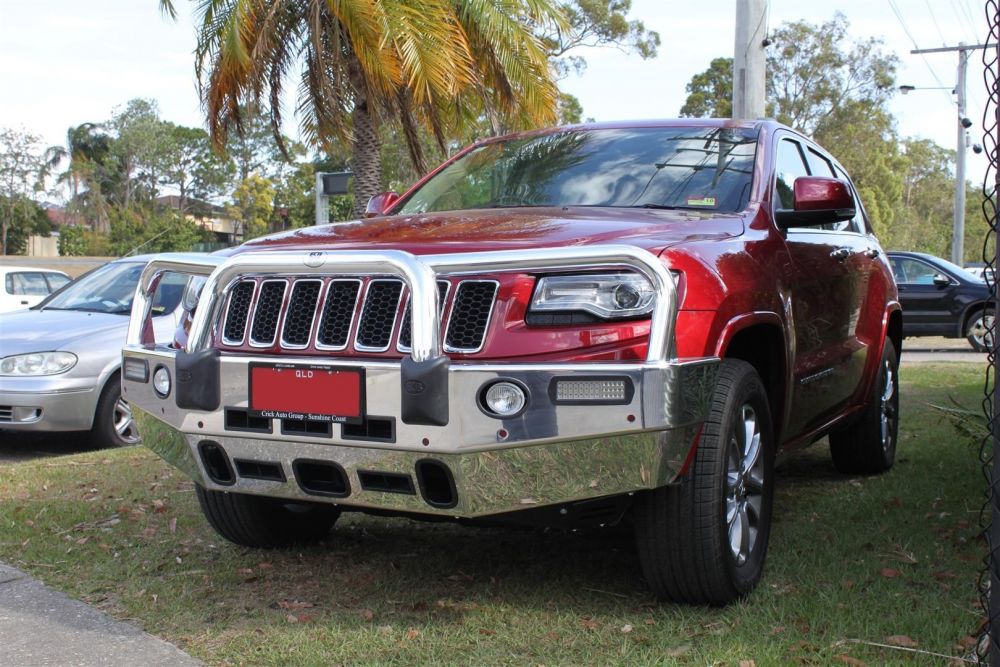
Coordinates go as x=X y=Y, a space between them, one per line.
x=559 y=327
x=941 y=299
x=23 y=286
x=979 y=270
x=60 y=360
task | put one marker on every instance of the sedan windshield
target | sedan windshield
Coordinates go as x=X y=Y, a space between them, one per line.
x=110 y=289
x=675 y=168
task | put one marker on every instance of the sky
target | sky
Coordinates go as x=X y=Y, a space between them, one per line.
x=65 y=62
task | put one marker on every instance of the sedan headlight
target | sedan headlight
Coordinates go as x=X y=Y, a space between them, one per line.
x=607 y=295
x=37 y=363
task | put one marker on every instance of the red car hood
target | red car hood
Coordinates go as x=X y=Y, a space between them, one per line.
x=507 y=229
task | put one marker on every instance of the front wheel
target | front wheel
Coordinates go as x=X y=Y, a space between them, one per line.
x=977 y=331
x=261 y=522
x=113 y=422
x=704 y=540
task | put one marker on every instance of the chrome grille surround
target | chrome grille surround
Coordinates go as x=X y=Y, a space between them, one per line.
x=406 y=327
x=388 y=293
x=269 y=304
x=238 y=312
x=299 y=314
x=459 y=306
x=334 y=299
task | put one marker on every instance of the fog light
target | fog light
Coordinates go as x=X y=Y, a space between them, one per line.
x=161 y=381
x=136 y=370
x=504 y=399
x=606 y=391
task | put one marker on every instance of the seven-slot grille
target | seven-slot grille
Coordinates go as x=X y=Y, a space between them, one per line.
x=324 y=313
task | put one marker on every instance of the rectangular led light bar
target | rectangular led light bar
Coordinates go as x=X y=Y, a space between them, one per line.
x=592 y=391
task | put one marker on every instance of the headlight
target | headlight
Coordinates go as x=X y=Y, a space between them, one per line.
x=607 y=295
x=37 y=363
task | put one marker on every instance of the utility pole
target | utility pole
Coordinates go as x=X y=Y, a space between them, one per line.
x=958 y=224
x=748 y=59
x=962 y=124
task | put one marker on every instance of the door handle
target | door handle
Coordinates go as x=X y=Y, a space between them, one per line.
x=840 y=254
x=872 y=253
x=24 y=303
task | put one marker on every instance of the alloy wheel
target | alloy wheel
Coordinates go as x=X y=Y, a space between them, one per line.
x=979 y=329
x=125 y=426
x=744 y=485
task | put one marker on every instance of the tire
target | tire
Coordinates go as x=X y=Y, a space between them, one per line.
x=265 y=523
x=113 y=423
x=977 y=330
x=868 y=446
x=704 y=540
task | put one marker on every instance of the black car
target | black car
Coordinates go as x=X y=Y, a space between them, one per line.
x=941 y=299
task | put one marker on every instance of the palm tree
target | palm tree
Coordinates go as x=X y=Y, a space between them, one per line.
x=361 y=63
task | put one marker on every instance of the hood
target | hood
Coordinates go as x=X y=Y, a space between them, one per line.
x=43 y=330
x=508 y=229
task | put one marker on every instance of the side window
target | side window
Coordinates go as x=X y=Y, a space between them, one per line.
x=8 y=283
x=168 y=293
x=28 y=284
x=789 y=166
x=857 y=223
x=913 y=271
x=819 y=165
x=56 y=280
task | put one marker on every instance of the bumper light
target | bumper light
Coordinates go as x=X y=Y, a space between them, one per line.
x=136 y=370
x=161 y=381
x=504 y=399
x=597 y=391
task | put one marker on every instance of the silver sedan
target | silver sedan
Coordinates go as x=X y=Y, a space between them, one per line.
x=60 y=361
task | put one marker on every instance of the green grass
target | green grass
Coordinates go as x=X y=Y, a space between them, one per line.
x=121 y=530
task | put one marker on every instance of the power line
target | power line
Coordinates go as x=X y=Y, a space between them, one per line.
x=937 y=25
x=963 y=19
x=902 y=23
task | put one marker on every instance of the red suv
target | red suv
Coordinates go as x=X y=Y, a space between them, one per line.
x=563 y=327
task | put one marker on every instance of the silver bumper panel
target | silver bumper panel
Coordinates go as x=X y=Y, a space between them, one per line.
x=550 y=453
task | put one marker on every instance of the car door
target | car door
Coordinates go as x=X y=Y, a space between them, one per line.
x=827 y=286
x=927 y=306
x=26 y=289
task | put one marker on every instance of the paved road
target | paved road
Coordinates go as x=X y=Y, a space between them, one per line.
x=940 y=349
x=40 y=627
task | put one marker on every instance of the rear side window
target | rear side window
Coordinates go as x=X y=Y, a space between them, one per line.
x=56 y=280
x=857 y=223
x=25 y=283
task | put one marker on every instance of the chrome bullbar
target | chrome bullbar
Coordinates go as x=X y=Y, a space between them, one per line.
x=554 y=451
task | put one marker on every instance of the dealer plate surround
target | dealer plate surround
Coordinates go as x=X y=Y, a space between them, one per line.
x=306 y=391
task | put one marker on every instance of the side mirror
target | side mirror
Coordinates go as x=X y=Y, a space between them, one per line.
x=941 y=280
x=819 y=200
x=380 y=203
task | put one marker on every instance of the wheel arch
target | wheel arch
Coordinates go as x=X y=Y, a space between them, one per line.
x=759 y=340
x=968 y=313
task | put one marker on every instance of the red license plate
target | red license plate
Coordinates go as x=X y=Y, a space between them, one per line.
x=287 y=391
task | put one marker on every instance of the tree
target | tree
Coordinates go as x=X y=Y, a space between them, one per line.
x=72 y=242
x=710 y=93
x=439 y=61
x=23 y=168
x=192 y=167
x=813 y=71
x=253 y=207
x=134 y=232
x=596 y=23
x=141 y=150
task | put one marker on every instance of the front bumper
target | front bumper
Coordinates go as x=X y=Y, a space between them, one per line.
x=52 y=403
x=553 y=452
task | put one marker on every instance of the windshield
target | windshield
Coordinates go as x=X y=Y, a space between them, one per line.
x=678 y=167
x=110 y=289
